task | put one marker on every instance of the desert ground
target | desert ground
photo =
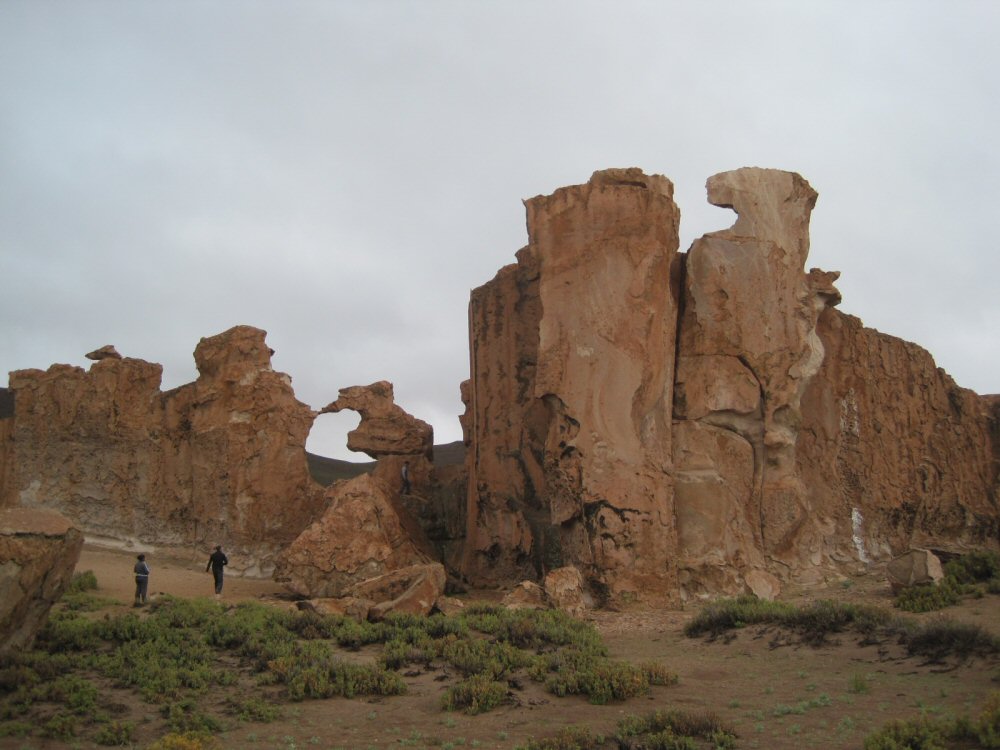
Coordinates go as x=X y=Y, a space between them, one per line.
x=773 y=692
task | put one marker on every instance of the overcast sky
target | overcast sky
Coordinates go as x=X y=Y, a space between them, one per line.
x=342 y=174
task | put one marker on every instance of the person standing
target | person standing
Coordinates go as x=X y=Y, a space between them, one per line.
x=217 y=561
x=141 y=580
x=405 y=476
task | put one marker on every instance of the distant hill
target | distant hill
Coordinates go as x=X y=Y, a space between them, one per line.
x=328 y=470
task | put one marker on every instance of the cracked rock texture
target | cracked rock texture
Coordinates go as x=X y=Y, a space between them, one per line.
x=217 y=461
x=38 y=553
x=678 y=425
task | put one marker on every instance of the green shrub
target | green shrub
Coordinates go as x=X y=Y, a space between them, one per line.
x=568 y=738
x=255 y=709
x=928 y=597
x=184 y=716
x=674 y=730
x=80 y=582
x=974 y=567
x=116 y=733
x=475 y=695
x=62 y=726
x=941 y=638
x=185 y=741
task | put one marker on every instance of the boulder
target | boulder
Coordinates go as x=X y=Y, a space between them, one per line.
x=363 y=534
x=566 y=590
x=105 y=352
x=413 y=590
x=918 y=567
x=39 y=550
x=449 y=605
x=526 y=595
x=345 y=606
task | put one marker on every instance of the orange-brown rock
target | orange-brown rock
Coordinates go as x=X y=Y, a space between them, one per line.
x=38 y=551
x=385 y=428
x=107 y=351
x=686 y=425
x=918 y=567
x=363 y=534
x=572 y=374
x=412 y=590
x=566 y=590
x=526 y=595
x=220 y=460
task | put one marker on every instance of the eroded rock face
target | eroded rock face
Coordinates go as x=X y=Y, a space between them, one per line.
x=691 y=425
x=217 y=461
x=571 y=384
x=364 y=533
x=385 y=429
x=39 y=550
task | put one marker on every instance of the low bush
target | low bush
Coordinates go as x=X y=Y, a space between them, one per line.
x=475 y=695
x=116 y=734
x=971 y=574
x=80 y=582
x=568 y=738
x=941 y=638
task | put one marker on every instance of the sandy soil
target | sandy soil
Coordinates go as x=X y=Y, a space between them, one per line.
x=774 y=694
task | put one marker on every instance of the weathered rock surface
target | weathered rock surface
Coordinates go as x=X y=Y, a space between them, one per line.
x=38 y=551
x=569 y=411
x=363 y=534
x=412 y=591
x=686 y=425
x=217 y=461
x=526 y=595
x=107 y=351
x=566 y=590
x=915 y=568
x=385 y=429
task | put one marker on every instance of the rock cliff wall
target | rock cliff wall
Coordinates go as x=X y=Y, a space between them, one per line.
x=220 y=460
x=685 y=424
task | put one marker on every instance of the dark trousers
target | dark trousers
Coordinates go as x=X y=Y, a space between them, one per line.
x=141 y=587
x=217 y=575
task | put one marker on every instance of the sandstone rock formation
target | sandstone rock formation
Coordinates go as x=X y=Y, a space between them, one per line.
x=363 y=534
x=220 y=460
x=385 y=429
x=105 y=352
x=38 y=551
x=572 y=361
x=690 y=424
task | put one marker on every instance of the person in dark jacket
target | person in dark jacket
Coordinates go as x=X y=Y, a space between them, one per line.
x=216 y=562
x=141 y=580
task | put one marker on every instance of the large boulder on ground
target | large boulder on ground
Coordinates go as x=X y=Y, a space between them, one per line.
x=916 y=568
x=38 y=551
x=566 y=590
x=362 y=534
x=412 y=590
x=526 y=595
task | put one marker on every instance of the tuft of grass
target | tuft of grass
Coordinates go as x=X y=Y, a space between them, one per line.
x=858 y=684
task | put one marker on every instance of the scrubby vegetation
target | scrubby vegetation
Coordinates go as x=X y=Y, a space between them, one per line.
x=179 y=653
x=942 y=733
x=658 y=730
x=934 y=640
x=973 y=574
